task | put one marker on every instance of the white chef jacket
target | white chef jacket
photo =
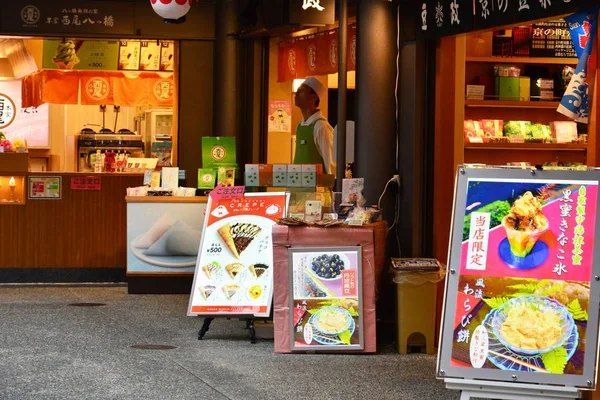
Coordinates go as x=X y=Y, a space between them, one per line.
x=323 y=135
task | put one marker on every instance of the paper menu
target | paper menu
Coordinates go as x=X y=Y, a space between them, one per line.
x=167 y=56
x=234 y=270
x=129 y=55
x=150 y=55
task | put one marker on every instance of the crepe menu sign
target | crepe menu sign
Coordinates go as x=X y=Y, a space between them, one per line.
x=521 y=299
x=234 y=269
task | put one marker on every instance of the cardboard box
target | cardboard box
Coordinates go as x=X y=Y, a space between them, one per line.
x=251 y=175
x=294 y=175
x=507 y=88
x=309 y=175
x=524 y=88
x=265 y=175
x=280 y=175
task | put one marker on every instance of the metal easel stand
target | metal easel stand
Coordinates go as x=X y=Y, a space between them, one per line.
x=249 y=326
x=472 y=389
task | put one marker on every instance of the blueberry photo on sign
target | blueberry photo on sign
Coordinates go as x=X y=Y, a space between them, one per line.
x=328 y=266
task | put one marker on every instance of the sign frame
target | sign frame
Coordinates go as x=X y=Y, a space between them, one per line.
x=326 y=347
x=32 y=178
x=221 y=216
x=585 y=381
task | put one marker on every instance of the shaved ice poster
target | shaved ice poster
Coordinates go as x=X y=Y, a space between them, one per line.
x=521 y=294
x=234 y=267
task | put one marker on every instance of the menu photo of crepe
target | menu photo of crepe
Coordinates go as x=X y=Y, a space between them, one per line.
x=168 y=243
x=234 y=269
x=211 y=270
x=230 y=290
x=238 y=236
x=207 y=291
x=258 y=270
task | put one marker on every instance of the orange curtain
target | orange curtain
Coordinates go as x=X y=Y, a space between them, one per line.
x=127 y=89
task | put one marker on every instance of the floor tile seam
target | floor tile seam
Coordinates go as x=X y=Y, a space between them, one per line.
x=199 y=378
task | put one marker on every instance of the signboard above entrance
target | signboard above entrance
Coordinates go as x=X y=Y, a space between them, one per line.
x=68 y=16
x=439 y=17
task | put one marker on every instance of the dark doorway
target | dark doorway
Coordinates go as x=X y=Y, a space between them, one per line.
x=332 y=106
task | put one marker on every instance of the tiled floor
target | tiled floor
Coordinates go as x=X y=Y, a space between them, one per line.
x=51 y=350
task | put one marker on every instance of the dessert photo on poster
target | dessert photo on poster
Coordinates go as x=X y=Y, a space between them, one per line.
x=529 y=229
x=521 y=324
x=326 y=307
x=163 y=237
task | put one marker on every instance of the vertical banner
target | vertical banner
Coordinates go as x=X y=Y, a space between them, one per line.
x=521 y=298
x=575 y=102
x=234 y=270
x=326 y=298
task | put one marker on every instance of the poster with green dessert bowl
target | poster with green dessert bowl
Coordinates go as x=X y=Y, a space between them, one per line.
x=522 y=293
x=326 y=298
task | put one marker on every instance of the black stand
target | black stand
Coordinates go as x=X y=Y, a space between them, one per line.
x=208 y=320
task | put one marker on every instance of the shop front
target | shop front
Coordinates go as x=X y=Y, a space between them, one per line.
x=88 y=92
x=516 y=89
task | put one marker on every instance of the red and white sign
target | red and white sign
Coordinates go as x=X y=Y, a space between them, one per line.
x=86 y=183
x=234 y=269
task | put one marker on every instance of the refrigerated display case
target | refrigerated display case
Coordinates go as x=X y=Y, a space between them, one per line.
x=155 y=126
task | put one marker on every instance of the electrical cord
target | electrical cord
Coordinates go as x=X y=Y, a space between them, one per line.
x=384 y=190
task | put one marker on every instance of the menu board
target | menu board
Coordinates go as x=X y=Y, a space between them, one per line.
x=326 y=301
x=80 y=54
x=234 y=270
x=48 y=187
x=129 y=55
x=150 y=55
x=167 y=55
x=551 y=39
x=520 y=298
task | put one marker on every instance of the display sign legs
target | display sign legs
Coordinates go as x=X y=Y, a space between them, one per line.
x=472 y=389
x=249 y=326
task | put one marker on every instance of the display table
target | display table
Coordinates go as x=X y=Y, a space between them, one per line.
x=371 y=238
x=163 y=238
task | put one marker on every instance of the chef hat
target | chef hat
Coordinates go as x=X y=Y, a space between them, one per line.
x=315 y=85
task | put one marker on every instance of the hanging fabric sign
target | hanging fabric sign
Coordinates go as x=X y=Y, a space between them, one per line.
x=575 y=102
x=119 y=88
x=314 y=56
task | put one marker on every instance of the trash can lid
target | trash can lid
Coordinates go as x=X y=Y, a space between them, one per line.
x=415 y=265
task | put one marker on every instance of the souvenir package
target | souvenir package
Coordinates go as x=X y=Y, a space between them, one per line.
x=492 y=127
x=564 y=131
x=472 y=130
x=217 y=150
x=206 y=178
x=352 y=190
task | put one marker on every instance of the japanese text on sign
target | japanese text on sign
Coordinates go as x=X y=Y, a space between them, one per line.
x=478 y=240
x=475 y=293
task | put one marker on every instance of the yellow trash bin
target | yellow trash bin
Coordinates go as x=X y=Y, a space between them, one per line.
x=416 y=292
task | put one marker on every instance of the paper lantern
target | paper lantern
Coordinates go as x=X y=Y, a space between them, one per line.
x=173 y=11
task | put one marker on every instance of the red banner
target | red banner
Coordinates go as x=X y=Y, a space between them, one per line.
x=314 y=56
x=63 y=87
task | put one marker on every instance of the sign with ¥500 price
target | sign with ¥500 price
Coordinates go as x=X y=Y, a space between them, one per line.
x=79 y=54
x=234 y=269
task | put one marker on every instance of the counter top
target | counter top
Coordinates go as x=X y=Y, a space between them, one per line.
x=166 y=199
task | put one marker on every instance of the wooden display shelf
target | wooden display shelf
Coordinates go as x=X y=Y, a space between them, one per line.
x=524 y=60
x=527 y=146
x=512 y=104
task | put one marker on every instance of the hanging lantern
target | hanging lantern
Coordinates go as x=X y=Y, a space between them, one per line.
x=173 y=11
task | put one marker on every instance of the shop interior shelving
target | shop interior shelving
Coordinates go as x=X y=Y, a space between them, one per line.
x=535 y=110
